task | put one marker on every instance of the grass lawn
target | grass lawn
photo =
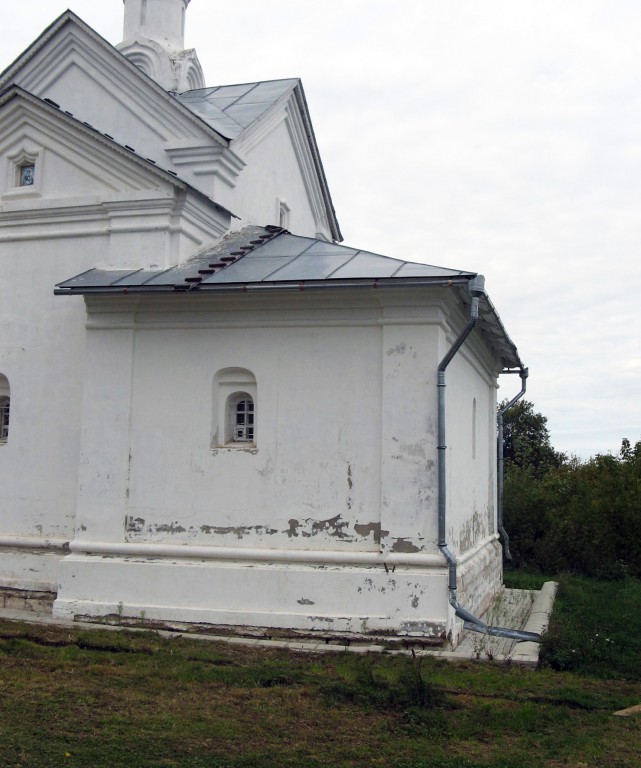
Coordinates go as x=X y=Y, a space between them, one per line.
x=115 y=699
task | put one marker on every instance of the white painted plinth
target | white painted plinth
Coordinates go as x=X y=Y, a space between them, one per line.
x=360 y=599
x=27 y=566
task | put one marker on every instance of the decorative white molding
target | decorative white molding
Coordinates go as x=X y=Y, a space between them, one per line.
x=245 y=554
x=28 y=154
x=175 y=72
x=31 y=542
x=307 y=166
x=207 y=160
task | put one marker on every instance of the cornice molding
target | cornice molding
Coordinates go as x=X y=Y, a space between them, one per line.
x=207 y=160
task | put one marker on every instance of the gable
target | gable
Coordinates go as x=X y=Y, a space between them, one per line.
x=83 y=182
x=71 y=159
x=73 y=66
x=209 y=136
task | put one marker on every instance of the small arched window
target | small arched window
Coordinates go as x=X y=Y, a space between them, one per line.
x=240 y=418
x=234 y=410
x=5 y=402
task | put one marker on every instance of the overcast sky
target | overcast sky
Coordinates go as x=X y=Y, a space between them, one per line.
x=497 y=136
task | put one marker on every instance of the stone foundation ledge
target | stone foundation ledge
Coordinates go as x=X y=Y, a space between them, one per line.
x=26 y=600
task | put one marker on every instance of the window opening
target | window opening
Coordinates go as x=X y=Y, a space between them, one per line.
x=283 y=214
x=4 y=418
x=234 y=410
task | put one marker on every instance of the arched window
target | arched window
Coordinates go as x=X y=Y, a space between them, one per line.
x=234 y=409
x=5 y=402
x=240 y=418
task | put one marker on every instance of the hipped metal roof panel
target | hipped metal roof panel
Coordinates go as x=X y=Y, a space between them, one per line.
x=262 y=255
x=268 y=257
x=230 y=109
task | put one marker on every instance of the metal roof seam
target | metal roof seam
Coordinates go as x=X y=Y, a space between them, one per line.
x=242 y=96
x=128 y=275
x=334 y=271
x=286 y=266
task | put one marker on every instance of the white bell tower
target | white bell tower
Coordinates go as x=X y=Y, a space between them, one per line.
x=154 y=40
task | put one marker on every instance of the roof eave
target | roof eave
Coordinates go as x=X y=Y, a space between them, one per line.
x=289 y=285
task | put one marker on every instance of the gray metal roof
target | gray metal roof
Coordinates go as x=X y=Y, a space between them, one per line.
x=263 y=255
x=230 y=109
x=263 y=258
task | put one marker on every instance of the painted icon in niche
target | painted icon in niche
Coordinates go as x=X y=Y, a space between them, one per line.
x=27 y=173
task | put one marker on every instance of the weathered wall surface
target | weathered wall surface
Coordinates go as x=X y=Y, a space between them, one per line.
x=263 y=184
x=335 y=506
x=471 y=382
x=47 y=235
x=342 y=452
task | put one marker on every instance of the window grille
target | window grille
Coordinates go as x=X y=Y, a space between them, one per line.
x=244 y=421
x=4 y=419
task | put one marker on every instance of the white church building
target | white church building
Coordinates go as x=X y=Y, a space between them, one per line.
x=211 y=411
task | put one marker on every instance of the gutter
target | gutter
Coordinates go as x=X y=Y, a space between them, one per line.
x=263 y=287
x=476 y=288
x=523 y=373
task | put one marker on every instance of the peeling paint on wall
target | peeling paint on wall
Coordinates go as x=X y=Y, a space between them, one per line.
x=404 y=545
x=309 y=528
x=238 y=530
x=134 y=524
x=169 y=528
x=335 y=527
x=365 y=529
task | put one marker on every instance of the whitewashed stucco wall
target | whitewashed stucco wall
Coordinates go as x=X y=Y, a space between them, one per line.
x=344 y=466
x=264 y=184
x=46 y=236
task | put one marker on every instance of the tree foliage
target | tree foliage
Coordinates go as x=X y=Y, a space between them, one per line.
x=526 y=439
x=569 y=515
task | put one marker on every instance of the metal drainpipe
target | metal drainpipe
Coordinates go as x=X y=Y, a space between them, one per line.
x=523 y=373
x=476 y=288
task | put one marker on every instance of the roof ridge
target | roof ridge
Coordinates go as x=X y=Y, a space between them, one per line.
x=253 y=83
